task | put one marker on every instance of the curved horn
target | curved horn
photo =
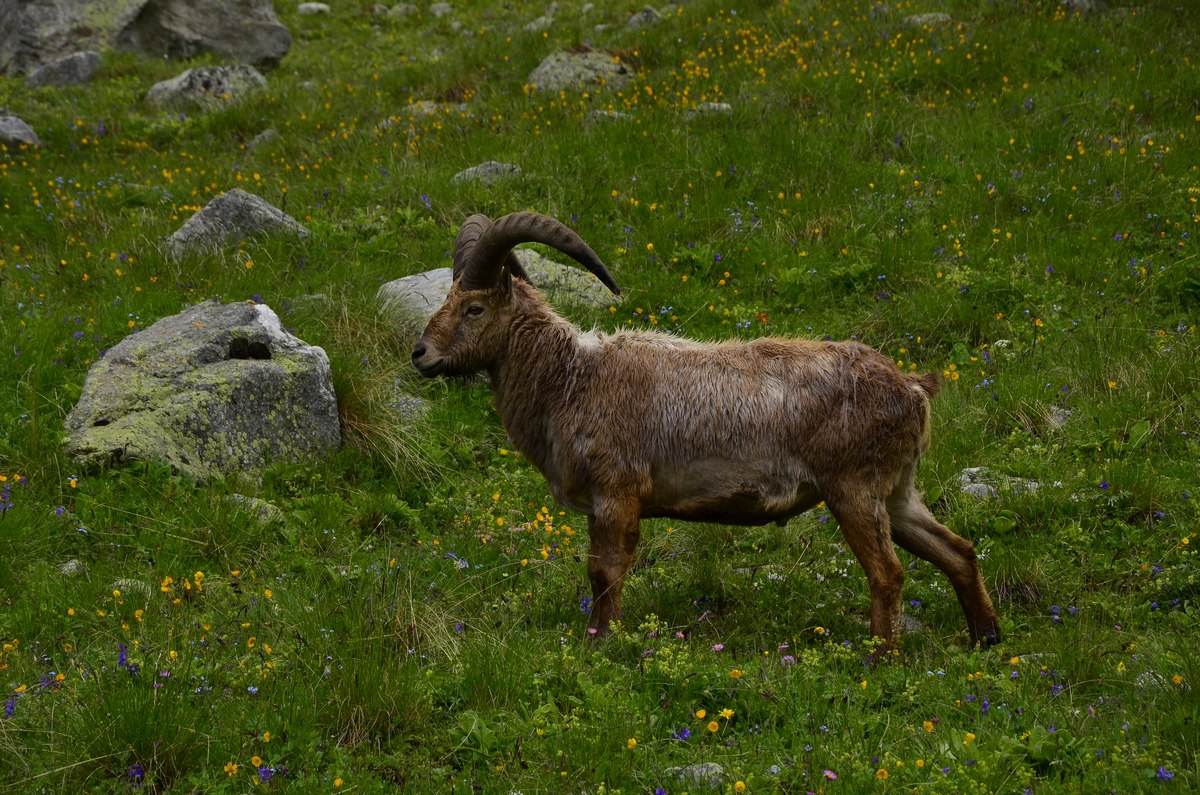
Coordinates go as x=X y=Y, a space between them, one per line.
x=483 y=248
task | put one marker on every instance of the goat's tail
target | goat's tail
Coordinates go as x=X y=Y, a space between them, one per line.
x=929 y=383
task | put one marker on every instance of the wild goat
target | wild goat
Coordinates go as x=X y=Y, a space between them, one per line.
x=643 y=424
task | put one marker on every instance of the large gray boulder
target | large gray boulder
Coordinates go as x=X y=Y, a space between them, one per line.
x=590 y=69
x=412 y=300
x=207 y=88
x=34 y=32
x=231 y=218
x=216 y=389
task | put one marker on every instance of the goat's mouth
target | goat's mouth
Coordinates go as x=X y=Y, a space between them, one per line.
x=427 y=362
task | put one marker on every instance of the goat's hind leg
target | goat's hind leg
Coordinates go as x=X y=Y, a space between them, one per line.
x=915 y=529
x=865 y=526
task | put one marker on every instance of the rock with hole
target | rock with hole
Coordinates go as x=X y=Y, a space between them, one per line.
x=214 y=390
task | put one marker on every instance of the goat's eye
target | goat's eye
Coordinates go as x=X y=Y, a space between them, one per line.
x=474 y=310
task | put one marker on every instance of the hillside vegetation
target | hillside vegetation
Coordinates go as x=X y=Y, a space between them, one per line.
x=1008 y=198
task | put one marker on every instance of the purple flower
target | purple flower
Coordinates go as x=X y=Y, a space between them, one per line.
x=718 y=647
x=1163 y=774
x=265 y=773
x=1104 y=485
x=681 y=734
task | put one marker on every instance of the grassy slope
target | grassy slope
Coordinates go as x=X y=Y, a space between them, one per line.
x=1009 y=201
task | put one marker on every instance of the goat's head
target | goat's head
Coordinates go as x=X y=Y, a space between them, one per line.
x=471 y=329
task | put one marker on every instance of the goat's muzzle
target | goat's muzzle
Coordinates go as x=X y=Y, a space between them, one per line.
x=426 y=364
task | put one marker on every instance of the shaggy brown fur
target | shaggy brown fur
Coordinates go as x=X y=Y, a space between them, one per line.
x=642 y=424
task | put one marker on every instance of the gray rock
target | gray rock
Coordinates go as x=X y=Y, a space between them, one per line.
x=601 y=116
x=708 y=775
x=710 y=109
x=207 y=87
x=230 y=218
x=981 y=483
x=35 y=32
x=72 y=568
x=488 y=173
x=440 y=10
x=312 y=9
x=264 y=512
x=401 y=10
x=563 y=283
x=643 y=19
x=933 y=20
x=69 y=70
x=1057 y=417
x=14 y=132
x=412 y=300
x=264 y=138
x=216 y=389
x=580 y=70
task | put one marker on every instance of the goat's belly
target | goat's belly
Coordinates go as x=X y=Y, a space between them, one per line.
x=748 y=501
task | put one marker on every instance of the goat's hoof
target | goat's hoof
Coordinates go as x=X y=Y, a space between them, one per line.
x=988 y=638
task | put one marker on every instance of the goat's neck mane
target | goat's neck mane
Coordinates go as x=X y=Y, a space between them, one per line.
x=536 y=372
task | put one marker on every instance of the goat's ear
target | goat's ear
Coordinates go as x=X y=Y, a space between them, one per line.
x=506 y=282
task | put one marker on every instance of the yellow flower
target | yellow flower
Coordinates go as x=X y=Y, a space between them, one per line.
x=881 y=774
x=701 y=713
x=727 y=713
x=713 y=726
x=266 y=737
x=739 y=786
x=970 y=738
x=631 y=743
x=337 y=782
x=819 y=630
x=250 y=641
x=267 y=593
x=920 y=763
x=230 y=768
x=927 y=726
x=736 y=673
x=256 y=761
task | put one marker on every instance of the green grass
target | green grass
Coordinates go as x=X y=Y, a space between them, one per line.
x=1011 y=201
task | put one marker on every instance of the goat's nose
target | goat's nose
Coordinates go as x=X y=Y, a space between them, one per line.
x=418 y=352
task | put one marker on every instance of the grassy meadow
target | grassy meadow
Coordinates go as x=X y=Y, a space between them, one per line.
x=1010 y=200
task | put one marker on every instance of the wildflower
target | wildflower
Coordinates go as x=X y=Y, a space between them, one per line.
x=713 y=726
x=718 y=647
x=739 y=786
x=256 y=761
x=1163 y=774
x=266 y=737
x=727 y=713
x=970 y=738
x=736 y=673
x=681 y=734
x=631 y=743
x=881 y=774
x=230 y=768
x=700 y=713
x=829 y=775
x=337 y=783
x=265 y=773
x=927 y=726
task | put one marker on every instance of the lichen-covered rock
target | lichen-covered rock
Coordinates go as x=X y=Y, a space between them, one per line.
x=34 y=32
x=207 y=87
x=312 y=9
x=229 y=218
x=580 y=70
x=487 y=173
x=216 y=389
x=70 y=70
x=14 y=132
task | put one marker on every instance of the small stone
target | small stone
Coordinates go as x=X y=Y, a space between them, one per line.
x=73 y=69
x=643 y=19
x=265 y=513
x=487 y=173
x=601 y=116
x=933 y=20
x=264 y=138
x=312 y=9
x=709 y=775
x=401 y=10
x=14 y=132
x=711 y=109
x=562 y=70
x=72 y=568
x=440 y=10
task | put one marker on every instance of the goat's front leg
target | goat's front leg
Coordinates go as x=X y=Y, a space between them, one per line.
x=614 y=529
